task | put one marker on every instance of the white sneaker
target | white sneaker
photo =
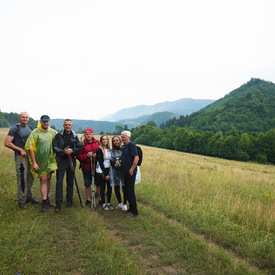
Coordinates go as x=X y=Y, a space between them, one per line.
x=124 y=207
x=119 y=206
x=110 y=206
x=105 y=207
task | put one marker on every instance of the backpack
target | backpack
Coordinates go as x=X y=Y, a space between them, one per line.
x=140 y=155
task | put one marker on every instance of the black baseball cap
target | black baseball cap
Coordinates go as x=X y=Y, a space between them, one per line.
x=45 y=118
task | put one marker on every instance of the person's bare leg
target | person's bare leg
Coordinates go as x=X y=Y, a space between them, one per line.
x=88 y=192
x=44 y=186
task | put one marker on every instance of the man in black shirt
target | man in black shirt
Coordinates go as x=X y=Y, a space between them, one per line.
x=15 y=140
x=65 y=143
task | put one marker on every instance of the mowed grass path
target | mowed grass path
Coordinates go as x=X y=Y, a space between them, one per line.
x=198 y=215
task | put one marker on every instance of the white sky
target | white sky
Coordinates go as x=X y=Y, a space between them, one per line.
x=86 y=59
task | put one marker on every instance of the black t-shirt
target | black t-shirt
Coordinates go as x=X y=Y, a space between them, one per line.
x=68 y=141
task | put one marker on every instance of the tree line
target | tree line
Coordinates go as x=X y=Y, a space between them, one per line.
x=233 y=145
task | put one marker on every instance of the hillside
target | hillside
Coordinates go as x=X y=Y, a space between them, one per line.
x=249 y=108
x=8 y=119
x=184 y=106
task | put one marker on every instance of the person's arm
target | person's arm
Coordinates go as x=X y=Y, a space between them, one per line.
x=134 y=165
x=56 y=147
x=34 y=164
x=9 y=144
x=77 y=147
x=99 y=156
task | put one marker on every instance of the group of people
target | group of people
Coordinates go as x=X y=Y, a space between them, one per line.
x=44 y=150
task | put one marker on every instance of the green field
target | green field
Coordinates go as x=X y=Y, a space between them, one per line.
x=198 y=215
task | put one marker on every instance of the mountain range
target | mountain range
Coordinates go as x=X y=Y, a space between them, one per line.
x=251 y=107
x=139 y=115
x=184 y=106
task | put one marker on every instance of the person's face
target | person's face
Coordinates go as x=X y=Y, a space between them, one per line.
x=116 y=141
x=89 y=136
x=125 y=139
x=45 y=124
x=24 y=119
x=104 y=141
x=68 y=126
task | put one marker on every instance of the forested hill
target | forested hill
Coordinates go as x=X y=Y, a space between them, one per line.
x=8 y=119
x=249 y=108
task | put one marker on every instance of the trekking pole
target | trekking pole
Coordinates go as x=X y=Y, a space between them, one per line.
x=22 y=175
x=93 y=204
x=73 y=170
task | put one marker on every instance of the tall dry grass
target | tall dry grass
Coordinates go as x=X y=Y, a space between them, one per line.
x=229 y=202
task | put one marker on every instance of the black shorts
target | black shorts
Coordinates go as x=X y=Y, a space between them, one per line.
x=87 y=176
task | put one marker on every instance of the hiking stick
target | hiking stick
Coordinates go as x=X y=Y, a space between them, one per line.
x=73 y=170
x=22 y=175
x=93 y=204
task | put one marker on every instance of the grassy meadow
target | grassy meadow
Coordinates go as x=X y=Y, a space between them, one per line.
x=198 y=215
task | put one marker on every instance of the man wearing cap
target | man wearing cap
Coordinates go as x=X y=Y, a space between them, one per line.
x=65 y=143
x=87 y=158
x=16 y=140
x=40 y=152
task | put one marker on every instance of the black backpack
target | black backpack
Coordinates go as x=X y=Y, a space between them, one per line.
x=140 y=155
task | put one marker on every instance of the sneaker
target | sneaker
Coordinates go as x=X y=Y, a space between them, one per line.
x=22 y=205
x=57 y=209
x=44 y=205
x=49 y=203
x=105 y=207
x=129 y=215
x=88 y=203
x=120 y=206
x=124 y=207
x=110 y=206
x=70 y=204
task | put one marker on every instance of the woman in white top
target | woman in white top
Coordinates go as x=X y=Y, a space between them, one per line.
x=102 y=175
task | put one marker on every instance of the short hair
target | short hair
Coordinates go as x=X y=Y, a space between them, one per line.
x=67 y=119
x=127 y=133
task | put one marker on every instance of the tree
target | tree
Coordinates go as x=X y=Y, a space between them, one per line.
x=119 y=129
x=152 y=123
x=270 y=145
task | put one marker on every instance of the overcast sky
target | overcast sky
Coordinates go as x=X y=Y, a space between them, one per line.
x=86 y=59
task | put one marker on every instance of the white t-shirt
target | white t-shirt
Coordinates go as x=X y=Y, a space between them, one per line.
x=106 y=161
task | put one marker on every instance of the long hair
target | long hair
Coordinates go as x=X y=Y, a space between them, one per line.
x=101 y=145
x=120 y=143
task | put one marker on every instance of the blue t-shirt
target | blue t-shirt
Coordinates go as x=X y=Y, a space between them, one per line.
x=127 y=158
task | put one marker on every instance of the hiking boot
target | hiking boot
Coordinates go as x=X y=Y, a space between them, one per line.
x=49 y=203
x=22 y=205
x=129 y=215
x=88 y=203
x=44 y=205
x=105 y=207
x=124 y=207
x=120 y=206
x=110 y=206
x=57 y=209
x=33 y=201
x=70 y=204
